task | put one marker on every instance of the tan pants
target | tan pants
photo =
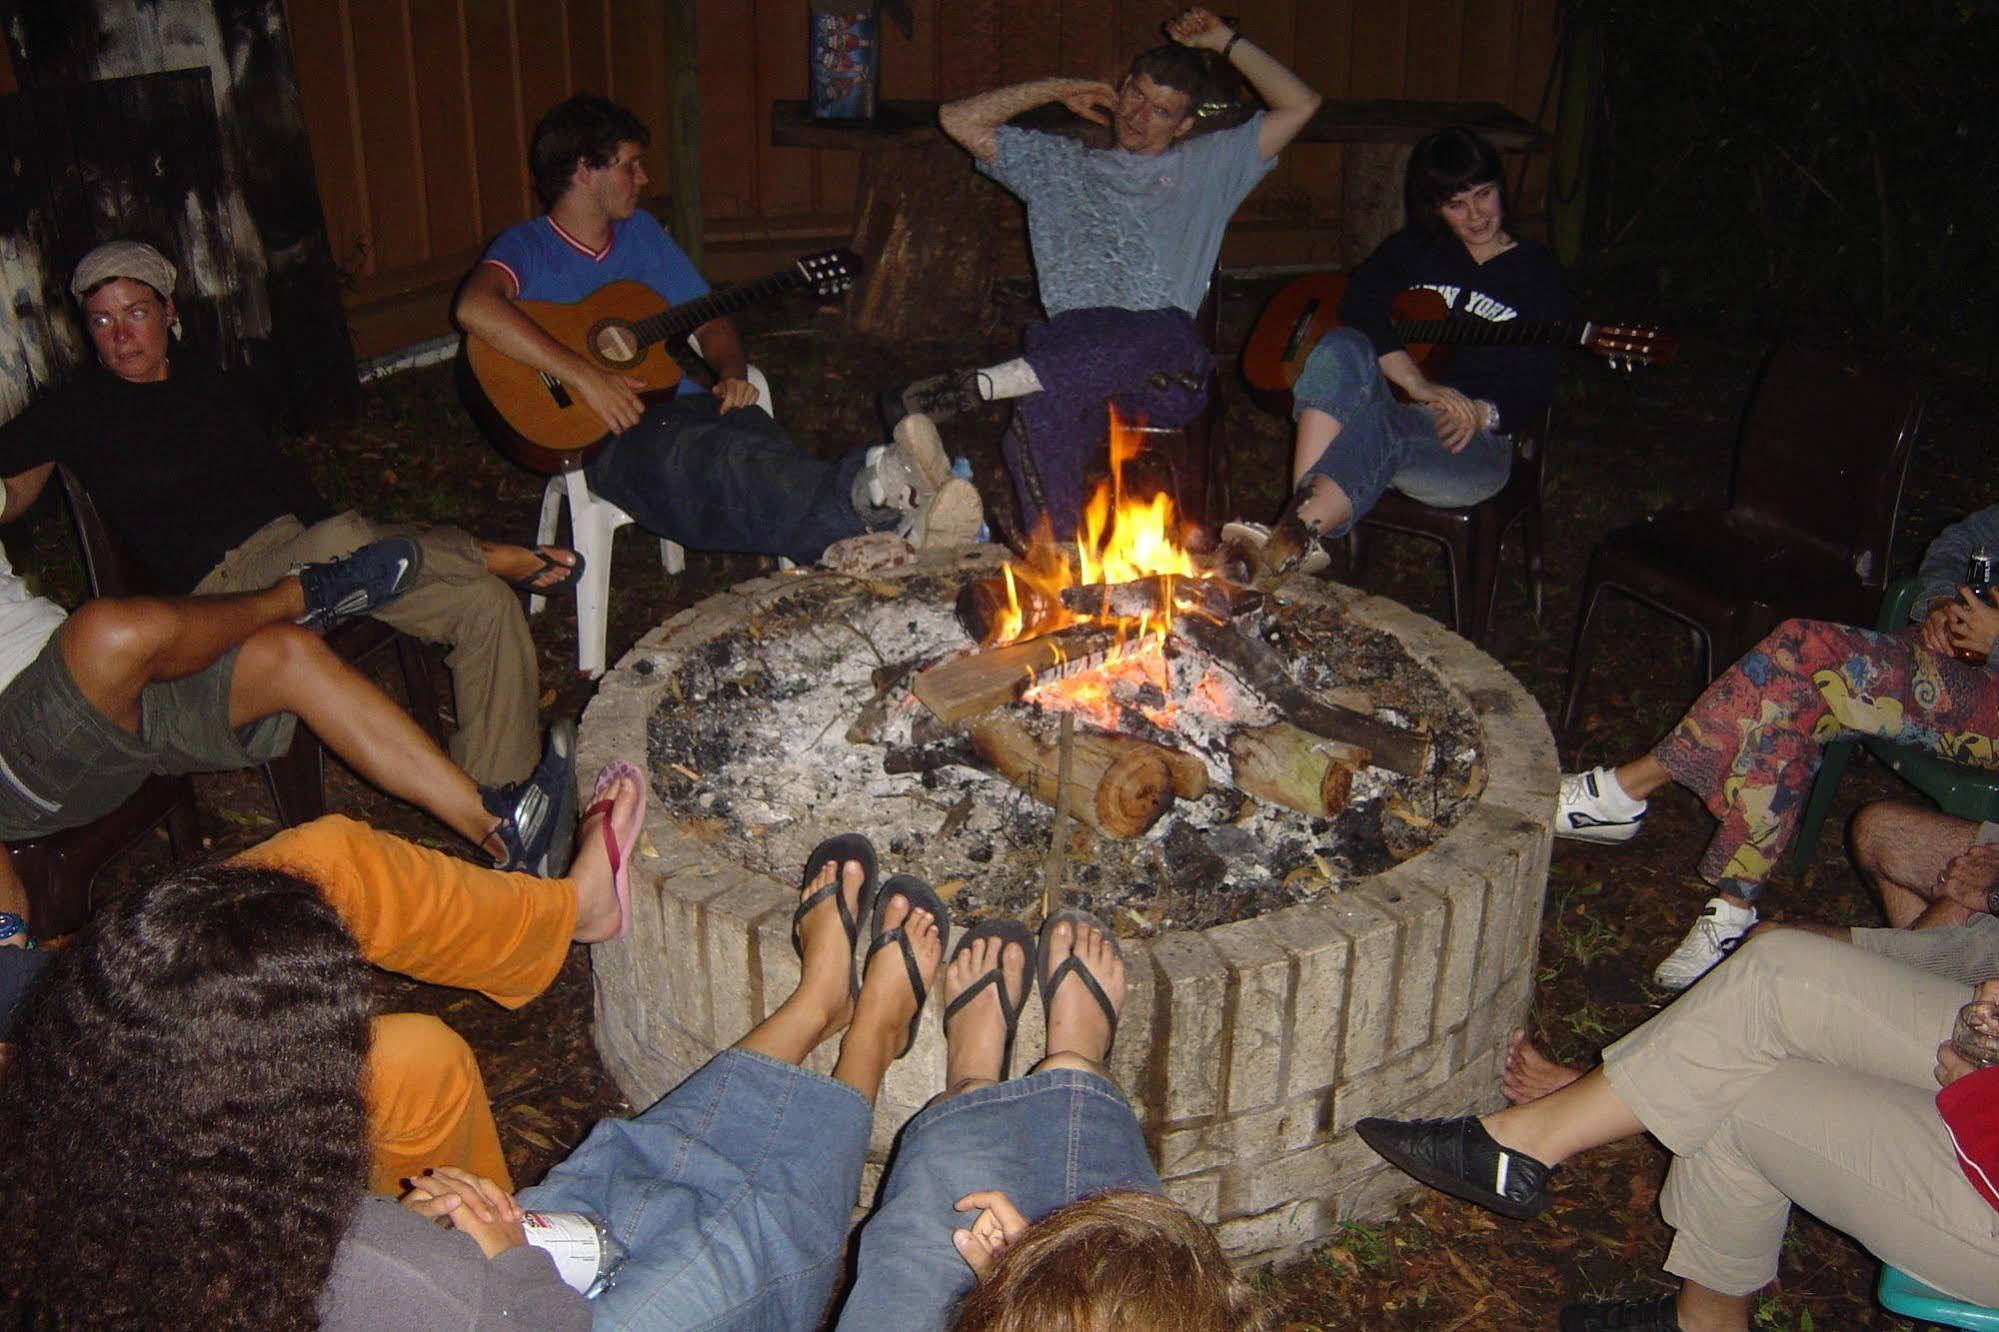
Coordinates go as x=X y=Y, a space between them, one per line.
x=441 y=920
x=1799 y=1071
x=495 y=676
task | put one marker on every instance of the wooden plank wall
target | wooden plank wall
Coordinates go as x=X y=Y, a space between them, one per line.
x=419 y=110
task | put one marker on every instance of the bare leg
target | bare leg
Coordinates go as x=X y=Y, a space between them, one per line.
x=1529 y=1074
x=1079 y=1036
x=881 y=1017
x=821 y=1005
x=1325 y=505
x=1702 y=1310
x=1642 y=776
x=283 y=668
x=113 y=647
x=1904 y=849
x=1573 y=1119
x=975 y=1039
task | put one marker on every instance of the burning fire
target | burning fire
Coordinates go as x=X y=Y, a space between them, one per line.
x=1124 y=540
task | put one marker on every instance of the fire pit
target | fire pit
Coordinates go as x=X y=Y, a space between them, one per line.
x=1319 y=926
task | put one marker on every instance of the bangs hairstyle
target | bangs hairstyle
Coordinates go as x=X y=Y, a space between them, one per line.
x=1445 y=164
x=182 y=1114
x=586 y=127
x=1110 y=1262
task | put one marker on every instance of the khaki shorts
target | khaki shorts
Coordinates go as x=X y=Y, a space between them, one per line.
x=64 y=763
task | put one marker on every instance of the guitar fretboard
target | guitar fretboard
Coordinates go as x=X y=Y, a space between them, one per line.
x=686 y=318
x=1466 y=331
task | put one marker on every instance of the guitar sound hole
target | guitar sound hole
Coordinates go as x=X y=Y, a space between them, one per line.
x=615 y=343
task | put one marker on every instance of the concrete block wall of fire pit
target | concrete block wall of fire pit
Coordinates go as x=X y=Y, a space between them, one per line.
x=1248 y=1049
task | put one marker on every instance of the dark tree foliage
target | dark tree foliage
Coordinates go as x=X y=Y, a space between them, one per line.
x=1830 y=166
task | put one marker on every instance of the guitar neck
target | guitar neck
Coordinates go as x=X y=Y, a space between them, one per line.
x=1466 y=331
x=684 y=319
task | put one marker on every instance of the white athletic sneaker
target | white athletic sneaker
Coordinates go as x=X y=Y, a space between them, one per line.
x=1255 y=536
x=1713 y=937
x=1593 y=808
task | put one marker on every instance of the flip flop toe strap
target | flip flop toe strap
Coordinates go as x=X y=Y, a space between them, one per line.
x=1071 y=966
x=900 y=939
x=610 y=837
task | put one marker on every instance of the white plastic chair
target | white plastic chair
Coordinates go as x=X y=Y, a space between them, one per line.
x=593 y=522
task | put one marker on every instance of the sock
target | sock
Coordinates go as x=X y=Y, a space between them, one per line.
x=1008 y=379
x=1620 y=801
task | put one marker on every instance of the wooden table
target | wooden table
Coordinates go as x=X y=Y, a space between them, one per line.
x=925 y=222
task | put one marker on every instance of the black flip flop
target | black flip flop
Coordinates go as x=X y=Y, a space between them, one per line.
x=1072 y=966
x=1007 y=931
x=527 y=581
x=918 y=894
x=839 y=850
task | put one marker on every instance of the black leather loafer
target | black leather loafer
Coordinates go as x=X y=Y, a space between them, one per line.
x=1658 y=1315
x=1458 y=1157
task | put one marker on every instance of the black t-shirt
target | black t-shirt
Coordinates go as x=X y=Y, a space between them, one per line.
x=1525 y=282
x=182 y=470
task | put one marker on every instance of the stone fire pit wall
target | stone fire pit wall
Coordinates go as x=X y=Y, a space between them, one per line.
x=1249 y=1050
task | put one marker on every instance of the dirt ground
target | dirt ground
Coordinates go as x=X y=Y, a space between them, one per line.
x=1626 y=446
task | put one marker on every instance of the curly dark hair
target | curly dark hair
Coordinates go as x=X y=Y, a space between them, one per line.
x=182 y=1115
x=586 y=127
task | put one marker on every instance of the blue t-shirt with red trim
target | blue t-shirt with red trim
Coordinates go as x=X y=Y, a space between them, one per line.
x=546 y=263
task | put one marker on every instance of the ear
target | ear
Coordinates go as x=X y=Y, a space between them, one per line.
x=1184 y=128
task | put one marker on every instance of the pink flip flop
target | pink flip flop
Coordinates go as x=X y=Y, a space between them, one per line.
x=618 y=845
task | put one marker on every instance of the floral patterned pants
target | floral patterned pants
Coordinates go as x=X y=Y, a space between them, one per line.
x=1750 y=746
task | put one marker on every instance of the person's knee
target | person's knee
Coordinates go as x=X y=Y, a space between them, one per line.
x=1777 y=952
x=117 y=629
x=1350 y=350
x=421 y=1073
x=1870 y=832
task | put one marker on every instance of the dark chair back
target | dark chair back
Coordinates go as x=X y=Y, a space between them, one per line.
x=1822 y=452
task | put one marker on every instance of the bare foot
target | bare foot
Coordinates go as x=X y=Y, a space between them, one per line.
x=597 y=913
x=829 y=953
x=1076 y=1022
x=1530 y=1075
x=975 y=1039
x=515 y=562
x=887 y=1003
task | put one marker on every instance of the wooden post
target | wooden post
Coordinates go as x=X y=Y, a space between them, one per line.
x=683 y=133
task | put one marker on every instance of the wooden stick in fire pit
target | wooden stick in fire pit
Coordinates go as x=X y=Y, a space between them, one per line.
x=1120 y=789
x=1151 y=596
x=967 y=686
x=1396 y=748
x=1295 y=768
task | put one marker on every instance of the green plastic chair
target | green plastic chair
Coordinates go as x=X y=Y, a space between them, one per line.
x=1969 y=793
x=1903 y=1294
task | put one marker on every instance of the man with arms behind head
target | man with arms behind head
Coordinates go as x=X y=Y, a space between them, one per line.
x=1124 y=241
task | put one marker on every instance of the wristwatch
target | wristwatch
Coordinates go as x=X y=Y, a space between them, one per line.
x=1992 y=900
x=11 y=925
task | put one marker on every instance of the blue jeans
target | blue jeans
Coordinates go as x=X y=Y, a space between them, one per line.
x=732 y=1195
x=1044 y=1140
x=1383 y=442
x=734 y=482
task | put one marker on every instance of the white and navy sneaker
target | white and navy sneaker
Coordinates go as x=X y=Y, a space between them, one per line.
x=1593 y=808
x=358 y=584
x=1714 y=936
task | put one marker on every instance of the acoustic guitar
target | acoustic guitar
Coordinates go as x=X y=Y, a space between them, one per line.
x=624 y=327
x=1306 y=310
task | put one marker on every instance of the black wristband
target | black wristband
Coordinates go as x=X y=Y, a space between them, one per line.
x=1229 y=45
x=1992 y=901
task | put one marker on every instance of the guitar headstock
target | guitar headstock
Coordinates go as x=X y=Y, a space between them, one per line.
x=1628 y=346
x=829 y=272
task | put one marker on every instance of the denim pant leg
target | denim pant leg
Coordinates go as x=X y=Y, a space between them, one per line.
x=731 y=482
x=1043 y=1140
x=1431 y=474
x=732 y=1195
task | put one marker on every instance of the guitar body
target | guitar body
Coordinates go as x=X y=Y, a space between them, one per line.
x=541 y=416
x=1309 y=308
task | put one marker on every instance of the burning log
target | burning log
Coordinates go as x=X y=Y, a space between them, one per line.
x=982 y=604
x=967 y=686
x=1294 y=768
x=1155 y=595
x=1396 y=748
x=1119 y=788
